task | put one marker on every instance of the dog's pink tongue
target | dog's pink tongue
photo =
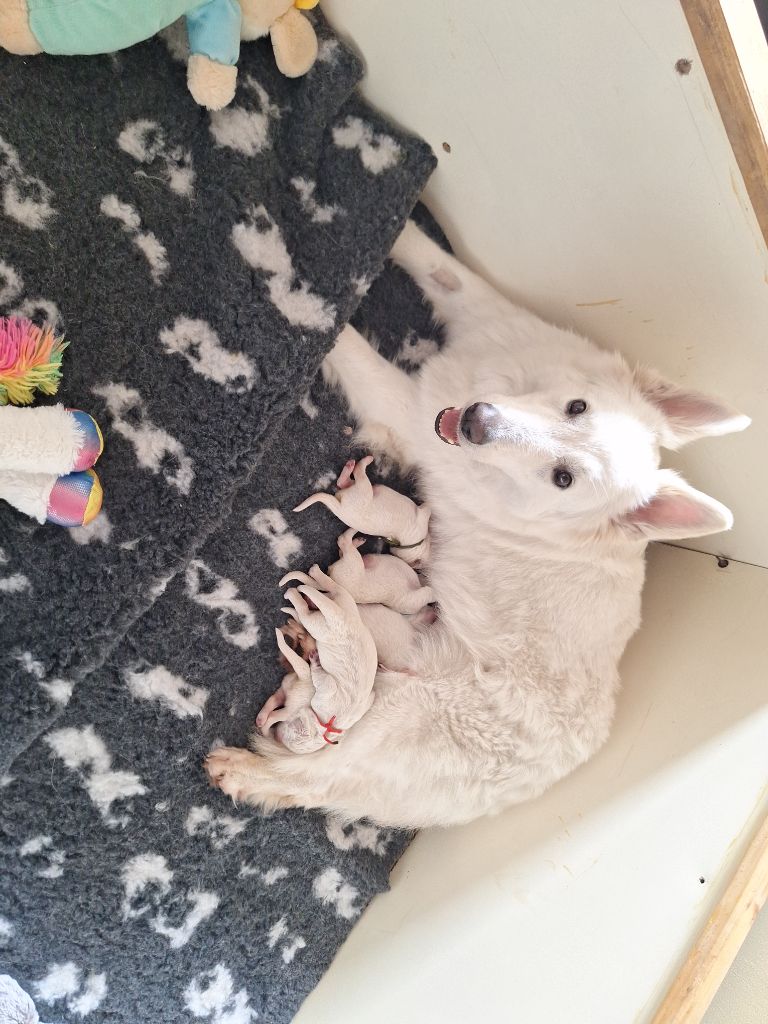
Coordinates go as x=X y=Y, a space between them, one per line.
x=448 y=425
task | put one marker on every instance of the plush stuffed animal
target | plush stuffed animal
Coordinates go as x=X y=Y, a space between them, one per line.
x=47 y=454
x=293 y=38
x=214 y=30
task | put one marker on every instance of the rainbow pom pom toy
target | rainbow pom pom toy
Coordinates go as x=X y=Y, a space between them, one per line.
x=46 y=454
x=30 y=360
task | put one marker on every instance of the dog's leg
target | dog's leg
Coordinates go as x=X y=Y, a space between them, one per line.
x=380 y=396
x=455 y=292
x=252 y=779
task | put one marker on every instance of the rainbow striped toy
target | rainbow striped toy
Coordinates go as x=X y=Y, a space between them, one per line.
x=47 y=454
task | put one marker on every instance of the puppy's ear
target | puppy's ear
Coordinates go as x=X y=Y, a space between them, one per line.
x=676 y=511
x=688 y=415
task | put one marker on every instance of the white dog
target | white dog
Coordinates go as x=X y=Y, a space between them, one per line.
x=543 y=500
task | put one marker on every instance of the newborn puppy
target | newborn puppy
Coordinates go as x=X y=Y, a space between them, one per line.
x=377 y=511
x=290 y=707
x=394 y=634
x=335 y=689
x=378 y=579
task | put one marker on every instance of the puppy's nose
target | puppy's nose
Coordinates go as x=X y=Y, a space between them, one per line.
x=478 y=422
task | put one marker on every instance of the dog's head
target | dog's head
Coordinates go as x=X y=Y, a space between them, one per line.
x=580 y=446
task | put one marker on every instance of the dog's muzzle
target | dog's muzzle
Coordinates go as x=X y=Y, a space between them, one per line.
x=479 y=423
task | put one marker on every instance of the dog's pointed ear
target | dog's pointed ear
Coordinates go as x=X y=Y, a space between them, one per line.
x=687 y=414
x=675 y=511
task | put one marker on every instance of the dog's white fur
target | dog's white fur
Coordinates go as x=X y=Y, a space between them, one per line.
x=538 y=586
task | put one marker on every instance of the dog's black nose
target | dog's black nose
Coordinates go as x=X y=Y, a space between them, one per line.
x=477 y=422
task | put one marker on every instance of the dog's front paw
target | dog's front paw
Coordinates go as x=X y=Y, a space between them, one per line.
x=228 y=769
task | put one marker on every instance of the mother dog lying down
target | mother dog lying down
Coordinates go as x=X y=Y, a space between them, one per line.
x=543 y=500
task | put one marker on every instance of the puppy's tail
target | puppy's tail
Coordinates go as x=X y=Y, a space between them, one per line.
x=325 y=499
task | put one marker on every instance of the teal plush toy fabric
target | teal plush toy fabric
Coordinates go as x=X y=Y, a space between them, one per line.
x=70 y=27
x=103 y=26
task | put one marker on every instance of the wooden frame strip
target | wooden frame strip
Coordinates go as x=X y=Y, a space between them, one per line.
x=726 y=78
x=707 y=964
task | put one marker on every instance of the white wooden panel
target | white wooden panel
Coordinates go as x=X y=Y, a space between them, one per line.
x=593 y=183
x=581 y=906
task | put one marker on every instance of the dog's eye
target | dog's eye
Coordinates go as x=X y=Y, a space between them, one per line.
x=576 y=407
x=562 y=478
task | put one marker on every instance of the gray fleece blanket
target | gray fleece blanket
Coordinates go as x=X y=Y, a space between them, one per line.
x=201 y=266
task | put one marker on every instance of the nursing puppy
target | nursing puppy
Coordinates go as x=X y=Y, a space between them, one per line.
x=544 y=485
x=327 y=694
x=378 y=579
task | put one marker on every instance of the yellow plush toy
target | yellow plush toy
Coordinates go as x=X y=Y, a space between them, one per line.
x=214 y=30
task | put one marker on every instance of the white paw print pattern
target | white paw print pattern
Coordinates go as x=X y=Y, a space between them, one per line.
x=7 y=931
x=218 y=829
x=156 y=450
x=26 y=199
x=59 y=690
x=211 y=995
x=83 y=751
x=65 y=983
x=377 y=151
x=330 y=889
x=259 y=241
x=14 y=582
x=200 y=345
x=284 y=546
x=269 y=877
x=49 y=860
x=146 y=242
x=174 y=693
x=324 y=481
x=328 y=51
x=319 y=213
x=98 y=531
x=236 y=620
x=12 y=289
x=31 y=665
x=242 y=128
x=291 y=946
x=149 y=893
x=147 y=143
x=357 y=836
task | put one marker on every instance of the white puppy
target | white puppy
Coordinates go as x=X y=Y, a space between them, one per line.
x=320 y=700
x=539 y=456
x=395 y=635
x=289 y=709
x=377 y=510
x=378 y=579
